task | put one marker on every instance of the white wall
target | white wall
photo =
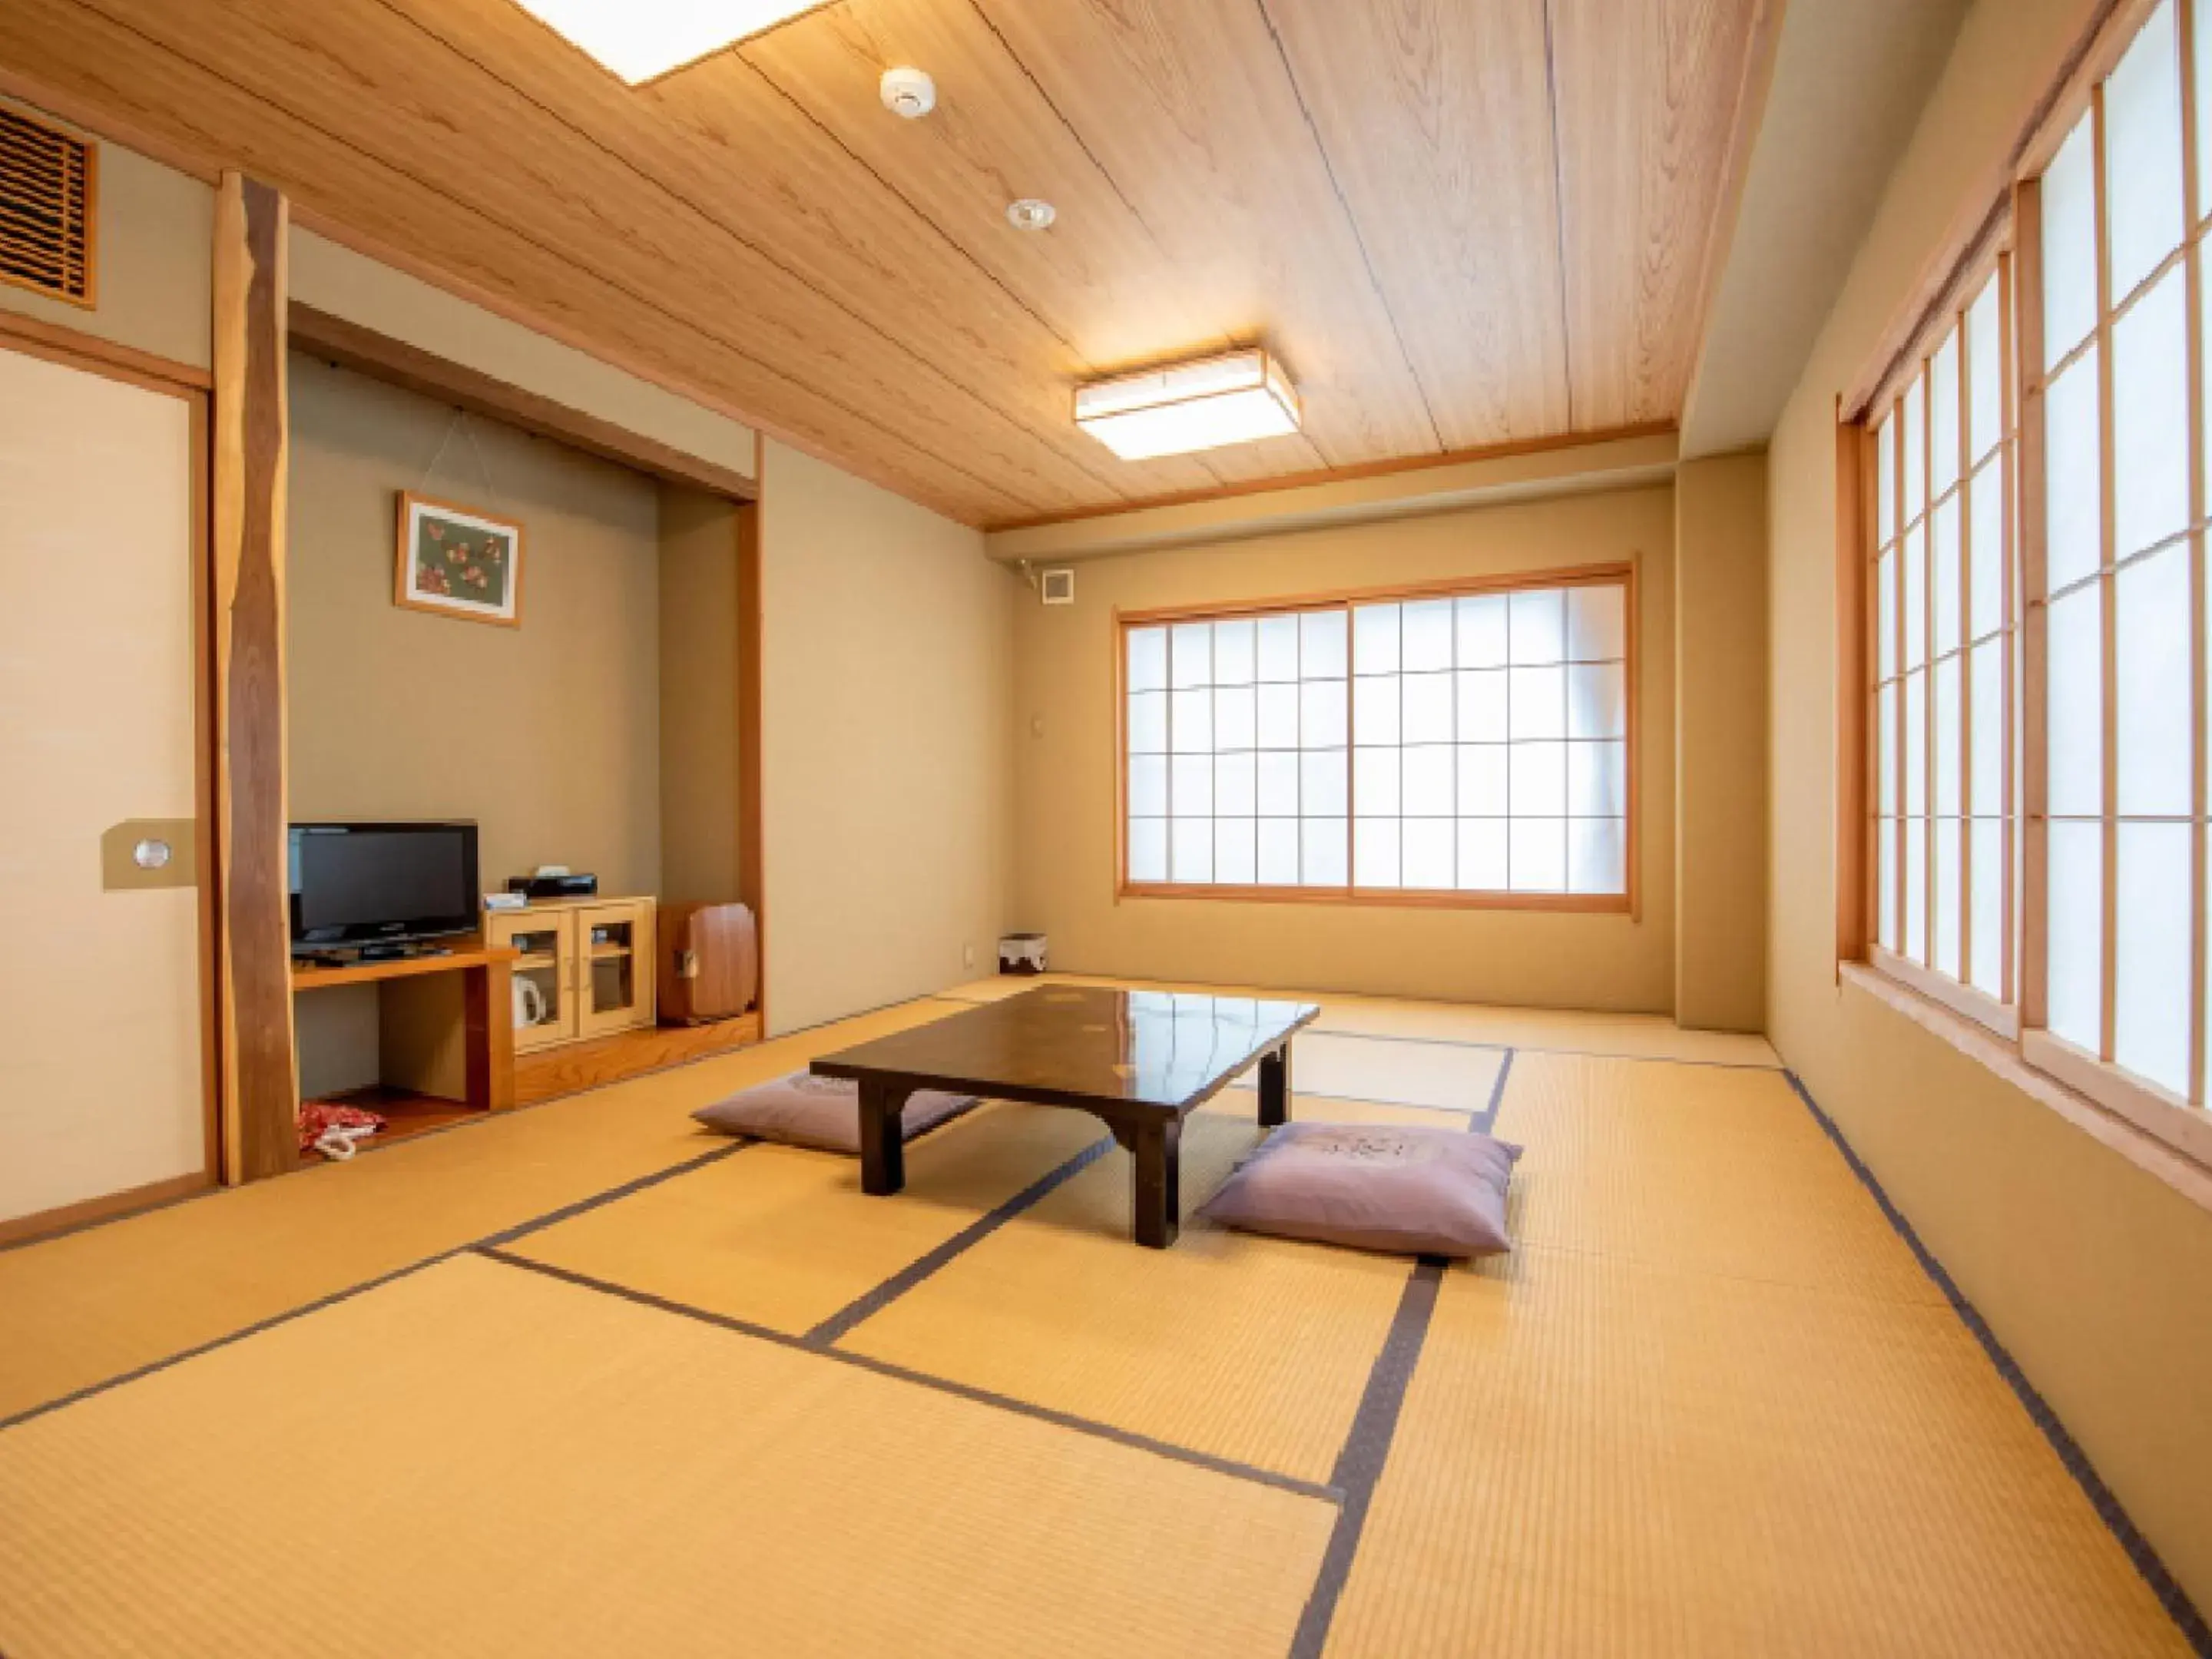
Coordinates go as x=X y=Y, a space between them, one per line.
x=886 y=744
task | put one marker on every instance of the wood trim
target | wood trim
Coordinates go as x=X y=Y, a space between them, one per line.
x=402 y=554
x=205 y=785
x=315 y=976
x=1586 y=575
x=2193 y=186
x=2031 y=537
x=2173 y=1121
x=79 y=350
x=19 y=1230
x=1982 y=203
x=1388 y=897
x=260 y=1078
x=1856 y=487
x=2107 y=535
x=2109 y=30
x=1960 y=999
x=350 y=345
x=2148 y=1153
x=1631 y=669
x=752 y=850
x=1332 y=475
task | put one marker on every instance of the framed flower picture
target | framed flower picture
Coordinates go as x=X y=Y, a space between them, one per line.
x=458 y=562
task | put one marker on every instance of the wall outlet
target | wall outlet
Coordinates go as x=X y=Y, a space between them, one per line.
x=967 y=956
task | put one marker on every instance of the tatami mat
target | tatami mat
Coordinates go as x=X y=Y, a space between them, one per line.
x=1599 y=1457
x=79 y=1309
x=1711 y=1405
x=785 y=1238
x=1250 y=1349
x=1702 y=1170
x=1642 y=1037
x=477 y=1459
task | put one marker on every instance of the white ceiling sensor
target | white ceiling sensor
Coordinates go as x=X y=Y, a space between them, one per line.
x=1031 y=213
x=642 y=40
x=907 y=92
x=1205 y=405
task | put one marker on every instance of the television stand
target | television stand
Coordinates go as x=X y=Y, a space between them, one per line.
x=479 y=1022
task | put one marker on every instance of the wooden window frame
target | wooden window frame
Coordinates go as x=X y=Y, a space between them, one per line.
x=2008 y=226
x=1623 y=574
x=1990 y=261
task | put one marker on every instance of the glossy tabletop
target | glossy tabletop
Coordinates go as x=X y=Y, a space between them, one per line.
x=1080 y=1045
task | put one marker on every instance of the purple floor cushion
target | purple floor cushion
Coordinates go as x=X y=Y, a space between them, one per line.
x=806 y=1110
x=1374 y=1187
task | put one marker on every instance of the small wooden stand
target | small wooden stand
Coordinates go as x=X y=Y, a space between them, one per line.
x=487 y=1027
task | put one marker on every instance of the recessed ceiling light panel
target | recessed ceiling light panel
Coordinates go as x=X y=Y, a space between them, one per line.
x=643 y=40
x=1031 y=213
x=1205 y=405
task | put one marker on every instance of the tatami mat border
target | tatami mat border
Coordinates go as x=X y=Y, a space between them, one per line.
x=1367 y=1449
x=883 y=1368
x=505 y=1235
x=2139 y=1550
x=875 y=1301
x=1485 y=1121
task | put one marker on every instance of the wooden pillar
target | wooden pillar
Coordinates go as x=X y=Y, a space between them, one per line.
x=260 y=1095
x=752 y=862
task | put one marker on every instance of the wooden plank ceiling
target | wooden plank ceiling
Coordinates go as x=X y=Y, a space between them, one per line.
x=1460 y=223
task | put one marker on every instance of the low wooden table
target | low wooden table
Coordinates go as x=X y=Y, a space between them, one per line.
x=1141 y=1060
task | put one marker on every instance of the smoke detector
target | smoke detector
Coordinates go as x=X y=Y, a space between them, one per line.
x=908 y=91
x=1031 y=213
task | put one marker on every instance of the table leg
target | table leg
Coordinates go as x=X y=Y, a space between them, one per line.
x=883 y=1138
x=1158 y=1184
x=1275 y=1088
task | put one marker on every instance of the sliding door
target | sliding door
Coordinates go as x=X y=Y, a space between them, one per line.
x=103 y=1088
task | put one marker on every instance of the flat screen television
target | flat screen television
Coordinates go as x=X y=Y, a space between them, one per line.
x=371 y=884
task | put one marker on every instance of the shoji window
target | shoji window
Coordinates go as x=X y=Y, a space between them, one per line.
x=2116 y=578
x=1438 y=746
x=1946 y=627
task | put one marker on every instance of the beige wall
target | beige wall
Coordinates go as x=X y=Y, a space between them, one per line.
x=699 y=831
x=1065 y=768
x=154 y=281
x=547 y=734
x=885 y=696
x=2091 y=1271
x=1720 y=742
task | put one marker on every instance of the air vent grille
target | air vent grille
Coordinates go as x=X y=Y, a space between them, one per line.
x=49 y=190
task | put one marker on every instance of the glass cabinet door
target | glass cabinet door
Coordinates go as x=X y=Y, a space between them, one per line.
x=615 y=968
x=544 y=1010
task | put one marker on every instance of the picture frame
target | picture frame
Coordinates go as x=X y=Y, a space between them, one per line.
x=454 y=561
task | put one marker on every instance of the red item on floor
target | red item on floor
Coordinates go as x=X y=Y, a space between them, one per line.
x=318 y=1118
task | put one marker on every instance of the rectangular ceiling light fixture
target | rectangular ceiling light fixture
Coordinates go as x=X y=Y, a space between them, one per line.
x=643 y=40
x=1231 y=399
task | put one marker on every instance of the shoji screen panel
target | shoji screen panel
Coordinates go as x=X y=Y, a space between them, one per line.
x=2121 y=210
x=1944 y=655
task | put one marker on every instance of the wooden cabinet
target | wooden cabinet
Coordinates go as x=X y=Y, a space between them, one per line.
x=584 y=967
